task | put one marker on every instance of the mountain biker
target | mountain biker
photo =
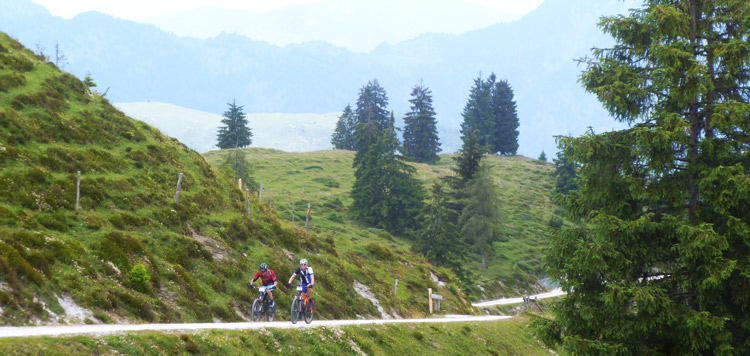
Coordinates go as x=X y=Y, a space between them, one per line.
x=306 y=277
x=267 y=277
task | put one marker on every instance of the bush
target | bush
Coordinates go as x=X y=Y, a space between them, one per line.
x=380 y=252
x=139 y=277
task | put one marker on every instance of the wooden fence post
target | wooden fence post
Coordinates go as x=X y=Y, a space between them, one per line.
x=78 y=190
x=268 y=204
x=395 y=289
x=177 y=192
x=239 y=183
x=260 y=194
x=247 y=201
x=429 y=297
x=307 y=220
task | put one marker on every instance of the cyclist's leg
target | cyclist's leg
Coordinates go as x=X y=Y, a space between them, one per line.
x=270 y=296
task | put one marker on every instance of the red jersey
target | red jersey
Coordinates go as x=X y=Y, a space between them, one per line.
x=267 y=277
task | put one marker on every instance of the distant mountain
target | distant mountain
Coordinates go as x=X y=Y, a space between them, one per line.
x=140 y=62
x=197 y=129
x=336 y=21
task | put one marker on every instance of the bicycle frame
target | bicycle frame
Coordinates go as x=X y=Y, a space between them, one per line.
x=261 y=306
x=302 y=307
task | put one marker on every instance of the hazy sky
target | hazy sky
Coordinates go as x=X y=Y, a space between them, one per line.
x=142 y=9
x=359 y=25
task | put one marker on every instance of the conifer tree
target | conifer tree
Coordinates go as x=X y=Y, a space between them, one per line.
x=566 y=176
x=235 y=133
x=505 y=139
x=385 y=192
x=659 y=262
x=469 y=156
x=372 y=105
x=343 y=137
x=480 y=216
x=420 y=128
x=542 y=157
x=437 y=237
x=478 y=114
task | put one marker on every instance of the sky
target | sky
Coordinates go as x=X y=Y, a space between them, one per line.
x=367 y=23
x=139 y=10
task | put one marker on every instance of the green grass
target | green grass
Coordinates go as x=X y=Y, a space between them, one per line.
x=324 y=179
x=199 y=253
x=507 y=337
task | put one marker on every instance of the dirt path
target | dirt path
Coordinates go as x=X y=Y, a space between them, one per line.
x=554 y=293
x=31 y=331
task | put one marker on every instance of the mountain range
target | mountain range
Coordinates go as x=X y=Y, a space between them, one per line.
x=135 y=62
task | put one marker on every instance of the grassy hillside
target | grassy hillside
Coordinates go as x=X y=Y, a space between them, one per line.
x=94 y=263
x=507 y=337
x=324 y=179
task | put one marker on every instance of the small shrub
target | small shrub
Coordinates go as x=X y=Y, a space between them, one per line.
x=335 y=217
x=139 y=277
x=103 y=317
x=379 y=251
x=417 y=335
x=555 y=222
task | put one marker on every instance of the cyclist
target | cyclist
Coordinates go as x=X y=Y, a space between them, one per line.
x=267 y=277
x=306 y=277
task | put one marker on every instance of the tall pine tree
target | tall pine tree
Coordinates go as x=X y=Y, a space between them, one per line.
x=343 y=137
x=385 y=192
x=420 y=128
x=659 y=263
x=505 y=140
x=437 y=237
x=478 y=114
x=235 y=133
x=480 y=215
x=372 y=105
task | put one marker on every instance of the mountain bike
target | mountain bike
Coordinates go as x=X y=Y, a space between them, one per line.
x=302 y=307
x=262 y=305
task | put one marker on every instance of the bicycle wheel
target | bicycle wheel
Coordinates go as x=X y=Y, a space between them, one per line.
x=257 y=310
x=309 y=311
x=295 y=310
x=270 y=312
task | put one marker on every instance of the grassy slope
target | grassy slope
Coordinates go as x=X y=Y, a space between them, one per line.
x=325 y=178
x=51 y=127
x=508 y=337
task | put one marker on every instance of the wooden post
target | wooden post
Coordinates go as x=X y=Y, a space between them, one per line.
x=260 y=194
x=292 y=214
x=429 y=297
x=395 y=289
x=268 y=204
x=247 y=201
x=177 y=192
x=307 y=220
x=239 y=183
x=78 y=190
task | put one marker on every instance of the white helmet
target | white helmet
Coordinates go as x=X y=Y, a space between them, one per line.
x=303 y=261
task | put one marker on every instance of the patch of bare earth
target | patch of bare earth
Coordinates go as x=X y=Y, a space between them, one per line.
x=218 y=251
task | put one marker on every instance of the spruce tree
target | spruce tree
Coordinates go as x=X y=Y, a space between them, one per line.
x=469 y=156
x=437 y=237
x=420 y=128
x=505 y=140
x=235 y=133
x=343 y=137
x=480 y=215
x=372 y=105
x=478 y=114
x=659 y=262
x=566 y=176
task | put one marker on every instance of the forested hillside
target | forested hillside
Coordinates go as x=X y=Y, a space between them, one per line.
x=130 y=250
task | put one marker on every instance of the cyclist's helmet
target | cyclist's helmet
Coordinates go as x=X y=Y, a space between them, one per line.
x=263 y=267
x=303 y=262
